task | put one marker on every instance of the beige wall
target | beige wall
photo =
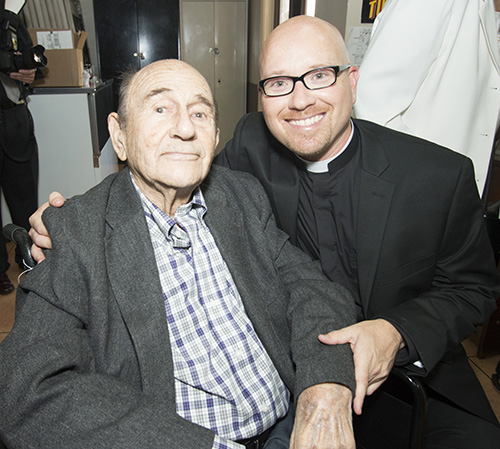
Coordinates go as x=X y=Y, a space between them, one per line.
x=353 y=19
x=344 y=14
x=334 y=12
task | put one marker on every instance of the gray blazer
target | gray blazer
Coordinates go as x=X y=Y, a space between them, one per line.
x=88 y=363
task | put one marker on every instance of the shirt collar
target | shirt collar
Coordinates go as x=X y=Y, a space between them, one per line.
x=322 y=166
x=164 y=221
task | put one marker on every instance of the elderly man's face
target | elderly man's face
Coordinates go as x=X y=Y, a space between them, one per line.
x=170 y=135
x=312 y=123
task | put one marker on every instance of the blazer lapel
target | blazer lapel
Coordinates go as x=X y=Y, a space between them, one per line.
x=375 y=195
x=227 y=225
x=135 y=282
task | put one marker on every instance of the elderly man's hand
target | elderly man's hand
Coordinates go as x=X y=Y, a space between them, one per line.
x=375 y=344
x=38 y=232
x=24 y=75
x=323 y=418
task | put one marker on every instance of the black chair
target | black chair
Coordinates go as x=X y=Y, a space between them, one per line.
x=394 y=416
x=20 y=236
x=495 y=377
x=492 y=223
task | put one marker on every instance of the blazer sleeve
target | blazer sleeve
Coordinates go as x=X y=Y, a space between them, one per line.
x=53 y=395
x=315 y=306
x=465 y=281
x=301 y=302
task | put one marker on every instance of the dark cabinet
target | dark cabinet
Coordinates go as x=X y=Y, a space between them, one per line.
x=134 y=33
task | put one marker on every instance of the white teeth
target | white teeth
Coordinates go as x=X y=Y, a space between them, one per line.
x=307 y=121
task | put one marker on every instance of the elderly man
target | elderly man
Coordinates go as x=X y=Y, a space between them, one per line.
x=395 y=219
x=172 y=312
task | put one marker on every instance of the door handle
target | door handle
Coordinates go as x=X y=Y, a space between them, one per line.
x=139 y=55
x=215 y=51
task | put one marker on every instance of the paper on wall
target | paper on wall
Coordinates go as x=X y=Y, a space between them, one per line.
x=358 y=43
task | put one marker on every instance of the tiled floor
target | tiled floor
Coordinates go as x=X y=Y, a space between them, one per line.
x=484 y=368
x=7 y=302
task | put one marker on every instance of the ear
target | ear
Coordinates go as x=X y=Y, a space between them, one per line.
x=260 y=93
x=217 y=134
x=117 y=136
x=353 y=80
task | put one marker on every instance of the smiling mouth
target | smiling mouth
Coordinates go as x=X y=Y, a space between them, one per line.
x=308 y=121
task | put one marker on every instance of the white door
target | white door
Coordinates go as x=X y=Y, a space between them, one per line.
x=214 y=41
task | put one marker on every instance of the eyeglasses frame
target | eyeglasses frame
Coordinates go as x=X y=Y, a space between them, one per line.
x=337 y=69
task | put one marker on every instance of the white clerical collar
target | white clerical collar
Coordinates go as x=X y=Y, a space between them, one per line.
x=322 y=166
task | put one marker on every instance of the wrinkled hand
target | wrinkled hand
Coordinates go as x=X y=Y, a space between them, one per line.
x=24 y=75
x=375 y=344
x=38 y=232
x=323 y=419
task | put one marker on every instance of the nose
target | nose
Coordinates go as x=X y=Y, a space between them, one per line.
x=301 y=97
x=183 y=127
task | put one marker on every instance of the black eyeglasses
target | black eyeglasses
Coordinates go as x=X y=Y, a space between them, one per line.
x=277 y=86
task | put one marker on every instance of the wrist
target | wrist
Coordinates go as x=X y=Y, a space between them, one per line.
x=325 y=393
x=395 y=334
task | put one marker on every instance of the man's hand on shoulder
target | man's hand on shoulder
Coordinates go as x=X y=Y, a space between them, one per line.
x=38 y=232
x=323 y=419
x=375 y=344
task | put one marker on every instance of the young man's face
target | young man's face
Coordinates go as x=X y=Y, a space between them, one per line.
x=314 y=124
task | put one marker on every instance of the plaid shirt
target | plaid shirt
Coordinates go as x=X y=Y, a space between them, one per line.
x=224 y=378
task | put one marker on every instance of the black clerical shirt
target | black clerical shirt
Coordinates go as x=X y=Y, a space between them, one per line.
x=327 y=217
x=327 y=221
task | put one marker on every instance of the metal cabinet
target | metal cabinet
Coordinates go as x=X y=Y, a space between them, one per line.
x=134 y=33
x=74 y=150
x=213 y=39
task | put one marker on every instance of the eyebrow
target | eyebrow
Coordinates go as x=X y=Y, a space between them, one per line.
x=199 y=98
x=206 y=102
x=159 y=91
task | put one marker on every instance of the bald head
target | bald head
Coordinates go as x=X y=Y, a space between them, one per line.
x=133 y=78
x=301 y=32
x=313 y=122
x=170 y=133
x=166 y=66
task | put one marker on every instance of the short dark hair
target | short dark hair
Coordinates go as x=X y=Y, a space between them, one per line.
x=125 y=79
x=216 y=114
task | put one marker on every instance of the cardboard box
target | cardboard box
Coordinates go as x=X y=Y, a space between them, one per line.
x=64 y=66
